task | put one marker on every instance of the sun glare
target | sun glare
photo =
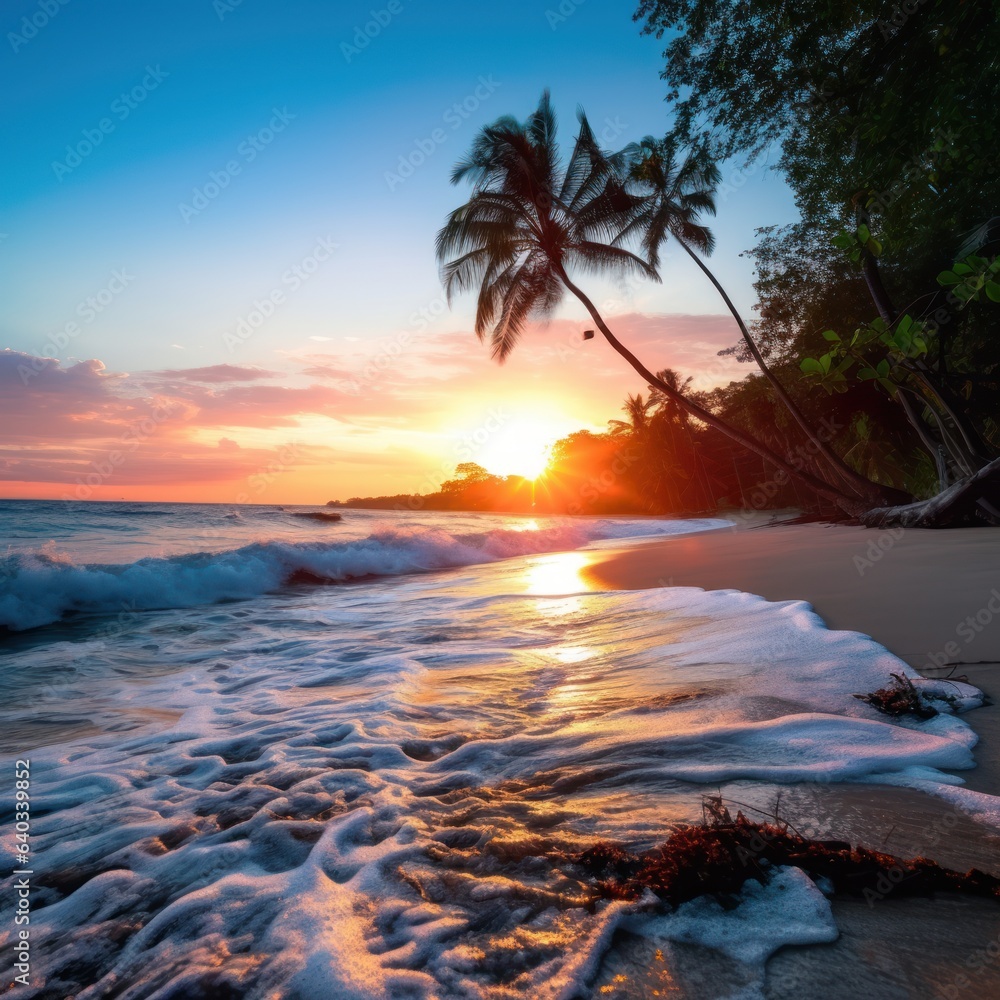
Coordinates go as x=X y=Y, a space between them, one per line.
x=520 y=448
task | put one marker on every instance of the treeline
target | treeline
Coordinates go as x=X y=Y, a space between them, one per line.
x=658 y=460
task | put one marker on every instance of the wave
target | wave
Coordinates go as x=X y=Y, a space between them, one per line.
x=39 y=588
x=418 y=800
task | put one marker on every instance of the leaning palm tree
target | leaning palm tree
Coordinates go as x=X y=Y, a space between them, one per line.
x=531 y=221
x=676 y=190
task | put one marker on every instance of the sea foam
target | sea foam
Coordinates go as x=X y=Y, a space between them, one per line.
x=370 y=793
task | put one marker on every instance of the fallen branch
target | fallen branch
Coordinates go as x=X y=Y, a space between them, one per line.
x=973 y=502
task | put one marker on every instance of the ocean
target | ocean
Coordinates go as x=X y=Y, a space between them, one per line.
x=278 y=757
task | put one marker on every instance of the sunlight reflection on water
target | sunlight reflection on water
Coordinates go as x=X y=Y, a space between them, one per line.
x=551 y=575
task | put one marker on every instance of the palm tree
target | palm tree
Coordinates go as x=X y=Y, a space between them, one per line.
x=676 y=190
x=530 y=221
x=637 y=410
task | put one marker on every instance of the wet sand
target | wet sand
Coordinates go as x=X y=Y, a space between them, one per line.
x=930 y=597
x=933 y=599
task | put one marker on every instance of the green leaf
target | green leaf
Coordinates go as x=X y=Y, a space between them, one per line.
x=867 y=373
x=864 y=233
x=831 y=335
x=993 y=291
x=883 y=368
x=811 y=366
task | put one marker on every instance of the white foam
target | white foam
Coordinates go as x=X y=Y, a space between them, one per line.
x=361 y=795
x=788 y=909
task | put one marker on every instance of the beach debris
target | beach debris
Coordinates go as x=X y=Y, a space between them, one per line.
x=318 y=515
x=718 y=856
x=899 y=698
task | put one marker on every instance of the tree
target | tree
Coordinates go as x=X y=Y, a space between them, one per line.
x=530 y=221
x=676 y=190
x=888 y=123
x=637 y=410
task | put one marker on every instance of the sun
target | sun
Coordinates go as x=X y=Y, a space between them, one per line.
x=520 y=447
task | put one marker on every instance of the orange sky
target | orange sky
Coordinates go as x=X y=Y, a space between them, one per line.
x=396 y=416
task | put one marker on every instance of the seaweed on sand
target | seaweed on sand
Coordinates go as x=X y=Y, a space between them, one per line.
x=722 y=853
x=899 y=698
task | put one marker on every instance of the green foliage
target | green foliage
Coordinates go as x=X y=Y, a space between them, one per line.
x=887 y=122
x=857 y=242
x=970 y=278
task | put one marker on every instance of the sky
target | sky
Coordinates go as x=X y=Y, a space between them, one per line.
x=217 y=221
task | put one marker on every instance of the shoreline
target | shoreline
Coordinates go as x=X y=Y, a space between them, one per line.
x=912 y=599
x=914 y=591
x=930 y=597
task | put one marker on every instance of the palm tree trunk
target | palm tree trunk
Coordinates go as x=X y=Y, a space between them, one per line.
x=861 y=485
x=848 y=504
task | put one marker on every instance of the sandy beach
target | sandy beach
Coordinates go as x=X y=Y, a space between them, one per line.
x=930 y=597
x=926 y=596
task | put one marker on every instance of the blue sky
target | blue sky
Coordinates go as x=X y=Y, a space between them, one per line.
x=355 y=115
x=175 y=91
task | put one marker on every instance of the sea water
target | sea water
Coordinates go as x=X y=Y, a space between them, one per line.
x=275 y=757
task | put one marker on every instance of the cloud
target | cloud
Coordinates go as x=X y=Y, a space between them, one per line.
x=83 y=425
x=216 y=374
x=379 y=409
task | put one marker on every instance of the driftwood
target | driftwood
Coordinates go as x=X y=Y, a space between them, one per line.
x=720 y=855
x=974 y=502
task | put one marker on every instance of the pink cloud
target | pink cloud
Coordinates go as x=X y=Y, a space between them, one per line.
x=217 y=374
x=60 y=423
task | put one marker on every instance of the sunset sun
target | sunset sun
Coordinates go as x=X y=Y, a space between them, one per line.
x=522 y=447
